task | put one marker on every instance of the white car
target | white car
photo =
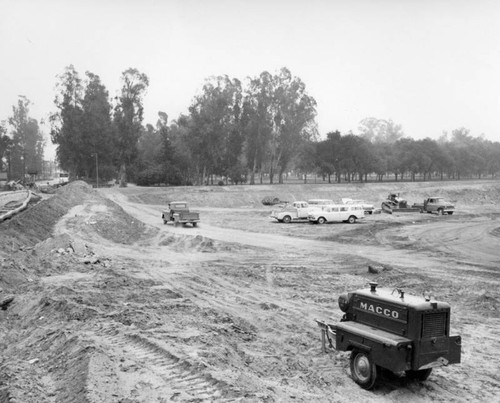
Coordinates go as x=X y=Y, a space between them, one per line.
x=337 y=213
x=368 y=208
x=320 y=202
x=296 y=211
x=299 y=210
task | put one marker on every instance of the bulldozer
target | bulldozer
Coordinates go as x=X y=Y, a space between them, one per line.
x=396 y=204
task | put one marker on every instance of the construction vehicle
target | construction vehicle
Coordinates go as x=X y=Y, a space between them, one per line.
x=389 y=329
x=396 y=204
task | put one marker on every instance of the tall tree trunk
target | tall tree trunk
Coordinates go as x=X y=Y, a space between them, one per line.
x=254 y=168
x=123 y=175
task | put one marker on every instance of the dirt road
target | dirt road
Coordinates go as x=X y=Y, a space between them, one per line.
x=122 y=308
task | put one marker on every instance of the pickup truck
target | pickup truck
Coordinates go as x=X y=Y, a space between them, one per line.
x=296 y=211
x=436 y=205
x=178 y=213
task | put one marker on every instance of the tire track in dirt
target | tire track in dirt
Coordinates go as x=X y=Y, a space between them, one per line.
x=182 y=380
x=472 y=245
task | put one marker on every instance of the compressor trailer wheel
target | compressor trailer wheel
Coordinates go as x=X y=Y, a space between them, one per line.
x=363 y=369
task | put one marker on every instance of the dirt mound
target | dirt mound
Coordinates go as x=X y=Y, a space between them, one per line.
x=109 y=221
x=36 y=223
x=197 y=243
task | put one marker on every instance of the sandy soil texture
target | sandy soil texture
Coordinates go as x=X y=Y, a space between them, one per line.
x=102 y=302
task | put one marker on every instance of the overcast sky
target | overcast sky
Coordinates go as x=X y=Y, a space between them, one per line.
x=429 y=65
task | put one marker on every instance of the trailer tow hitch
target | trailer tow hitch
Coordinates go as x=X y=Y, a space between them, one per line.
x=327 y=333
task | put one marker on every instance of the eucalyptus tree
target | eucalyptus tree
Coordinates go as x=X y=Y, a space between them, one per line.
x=257 y=121
x=217 y=138
x=149 y=152
x=179 y=155
x=26 y=148
x=380 y=130
x=128 y=116
x=174 y=155
x=96 y=129
x=66 y=124
x=293 y=113
x=82 y=127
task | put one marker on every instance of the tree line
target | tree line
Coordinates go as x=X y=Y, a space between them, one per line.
x=382 y=150
x=21 y=150
x=233 y=132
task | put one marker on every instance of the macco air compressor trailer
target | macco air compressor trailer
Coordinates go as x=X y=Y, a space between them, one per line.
x=392 y=330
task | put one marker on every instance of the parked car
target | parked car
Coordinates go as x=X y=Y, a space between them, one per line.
x=337 y=213
x=320 y=202
x=367 y=207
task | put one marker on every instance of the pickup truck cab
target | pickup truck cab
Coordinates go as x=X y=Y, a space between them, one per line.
x=179 y=213
x=436 y=205
x=337 y=213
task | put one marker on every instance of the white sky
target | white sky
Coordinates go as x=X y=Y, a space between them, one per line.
x=429 y=65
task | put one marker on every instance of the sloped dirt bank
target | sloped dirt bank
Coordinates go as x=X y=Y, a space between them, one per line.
x=110 y=305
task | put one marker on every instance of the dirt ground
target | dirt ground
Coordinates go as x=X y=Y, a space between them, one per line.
x=102 y=302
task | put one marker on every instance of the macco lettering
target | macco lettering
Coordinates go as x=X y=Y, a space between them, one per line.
x=379 y=310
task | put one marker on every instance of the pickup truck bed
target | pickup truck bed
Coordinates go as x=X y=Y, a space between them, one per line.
x=186 y=217
x=178 y=213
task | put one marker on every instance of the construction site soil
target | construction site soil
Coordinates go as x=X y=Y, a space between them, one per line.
x=102 y=302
